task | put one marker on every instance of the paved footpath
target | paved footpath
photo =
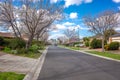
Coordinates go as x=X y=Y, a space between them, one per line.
x=11 y=63
x=63 y=64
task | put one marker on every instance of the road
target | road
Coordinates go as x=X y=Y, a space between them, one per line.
x=64 y=64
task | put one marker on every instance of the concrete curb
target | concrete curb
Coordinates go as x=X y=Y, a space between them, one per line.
x=34 y=72
x=95 y=55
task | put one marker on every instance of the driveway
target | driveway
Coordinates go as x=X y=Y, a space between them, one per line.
x=64 y=64
x=11 y=63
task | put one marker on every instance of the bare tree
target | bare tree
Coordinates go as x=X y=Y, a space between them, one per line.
x=32 y=16
x=37 y=18
x=70 y=33
x=8 y=17
x=103 y=22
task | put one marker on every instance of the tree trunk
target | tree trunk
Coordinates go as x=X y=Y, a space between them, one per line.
x=28 y=44
x=103 y=38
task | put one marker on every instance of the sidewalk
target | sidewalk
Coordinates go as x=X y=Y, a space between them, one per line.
x=11 y=63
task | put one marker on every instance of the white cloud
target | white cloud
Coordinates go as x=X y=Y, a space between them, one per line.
x=55 y=36
x=77 y=27
x=55 y=31
x=68 y=24
x=72 y=2
x=73 y=15
x=53 y=1
x=87 y=1
x=76 y=2
x=59 y=26
x=82 y=28
x=116 y=1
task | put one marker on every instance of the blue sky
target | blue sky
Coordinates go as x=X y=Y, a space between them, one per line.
x=75 y=10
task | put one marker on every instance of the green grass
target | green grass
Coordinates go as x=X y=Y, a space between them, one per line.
x=75 y=48
x=11 y=76
x=106 y=54
x=30 y=55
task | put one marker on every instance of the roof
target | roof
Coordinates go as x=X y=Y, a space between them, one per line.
x=6 y=34
x=116 y=35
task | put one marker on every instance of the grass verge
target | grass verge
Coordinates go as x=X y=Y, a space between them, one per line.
x=106 y=54
x=11 y=76
x=75 y=48
x=30 y=55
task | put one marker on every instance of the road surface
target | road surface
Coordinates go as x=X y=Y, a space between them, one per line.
x=64 y=64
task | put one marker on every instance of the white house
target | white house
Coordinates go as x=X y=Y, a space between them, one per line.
x=114 y=38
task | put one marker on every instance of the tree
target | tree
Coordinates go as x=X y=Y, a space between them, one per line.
x=33 y=17
x=8 y=17
x=70 y=33
x=38 y=18
x=103 y=22
x=109 y=33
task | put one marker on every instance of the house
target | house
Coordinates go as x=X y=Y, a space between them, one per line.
x=6 y=35
x=115 y=38
x=11 y=35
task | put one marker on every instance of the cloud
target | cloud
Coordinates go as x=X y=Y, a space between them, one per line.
x=53 y=1
x=87 y=1
x=55 y=31
x=55 y=36
x=68 y=24
x=116 y=1
x=75 y=2
x=60 y=26
x=77 y=27
x=73 y=15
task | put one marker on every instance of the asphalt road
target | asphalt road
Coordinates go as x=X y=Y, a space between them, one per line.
x=63 y=64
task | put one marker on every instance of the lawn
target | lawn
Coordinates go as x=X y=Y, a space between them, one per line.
x=106 y=54
x=11 y=76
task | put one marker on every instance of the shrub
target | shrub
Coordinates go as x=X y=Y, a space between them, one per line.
x=87 y=43
x=114 y=46
x=21 y=51
x=34 y=48
x=6 y=49
x=106 y=47
x=14 y=51
x=16 y=43
x=2 y=41
x=96 y=43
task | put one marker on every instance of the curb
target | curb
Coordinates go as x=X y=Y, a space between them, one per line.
x=34 y=72
x=95 y=55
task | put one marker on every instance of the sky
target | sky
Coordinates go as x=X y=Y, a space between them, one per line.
x=75 y=10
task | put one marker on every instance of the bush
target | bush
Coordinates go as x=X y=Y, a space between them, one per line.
x=113 y=46
x=106 y=47
x=34 y=48
x=6 y=49
x=96 y=43
x=2 y=41
x=16 y=43
x=21 y=51
x=87 y=43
